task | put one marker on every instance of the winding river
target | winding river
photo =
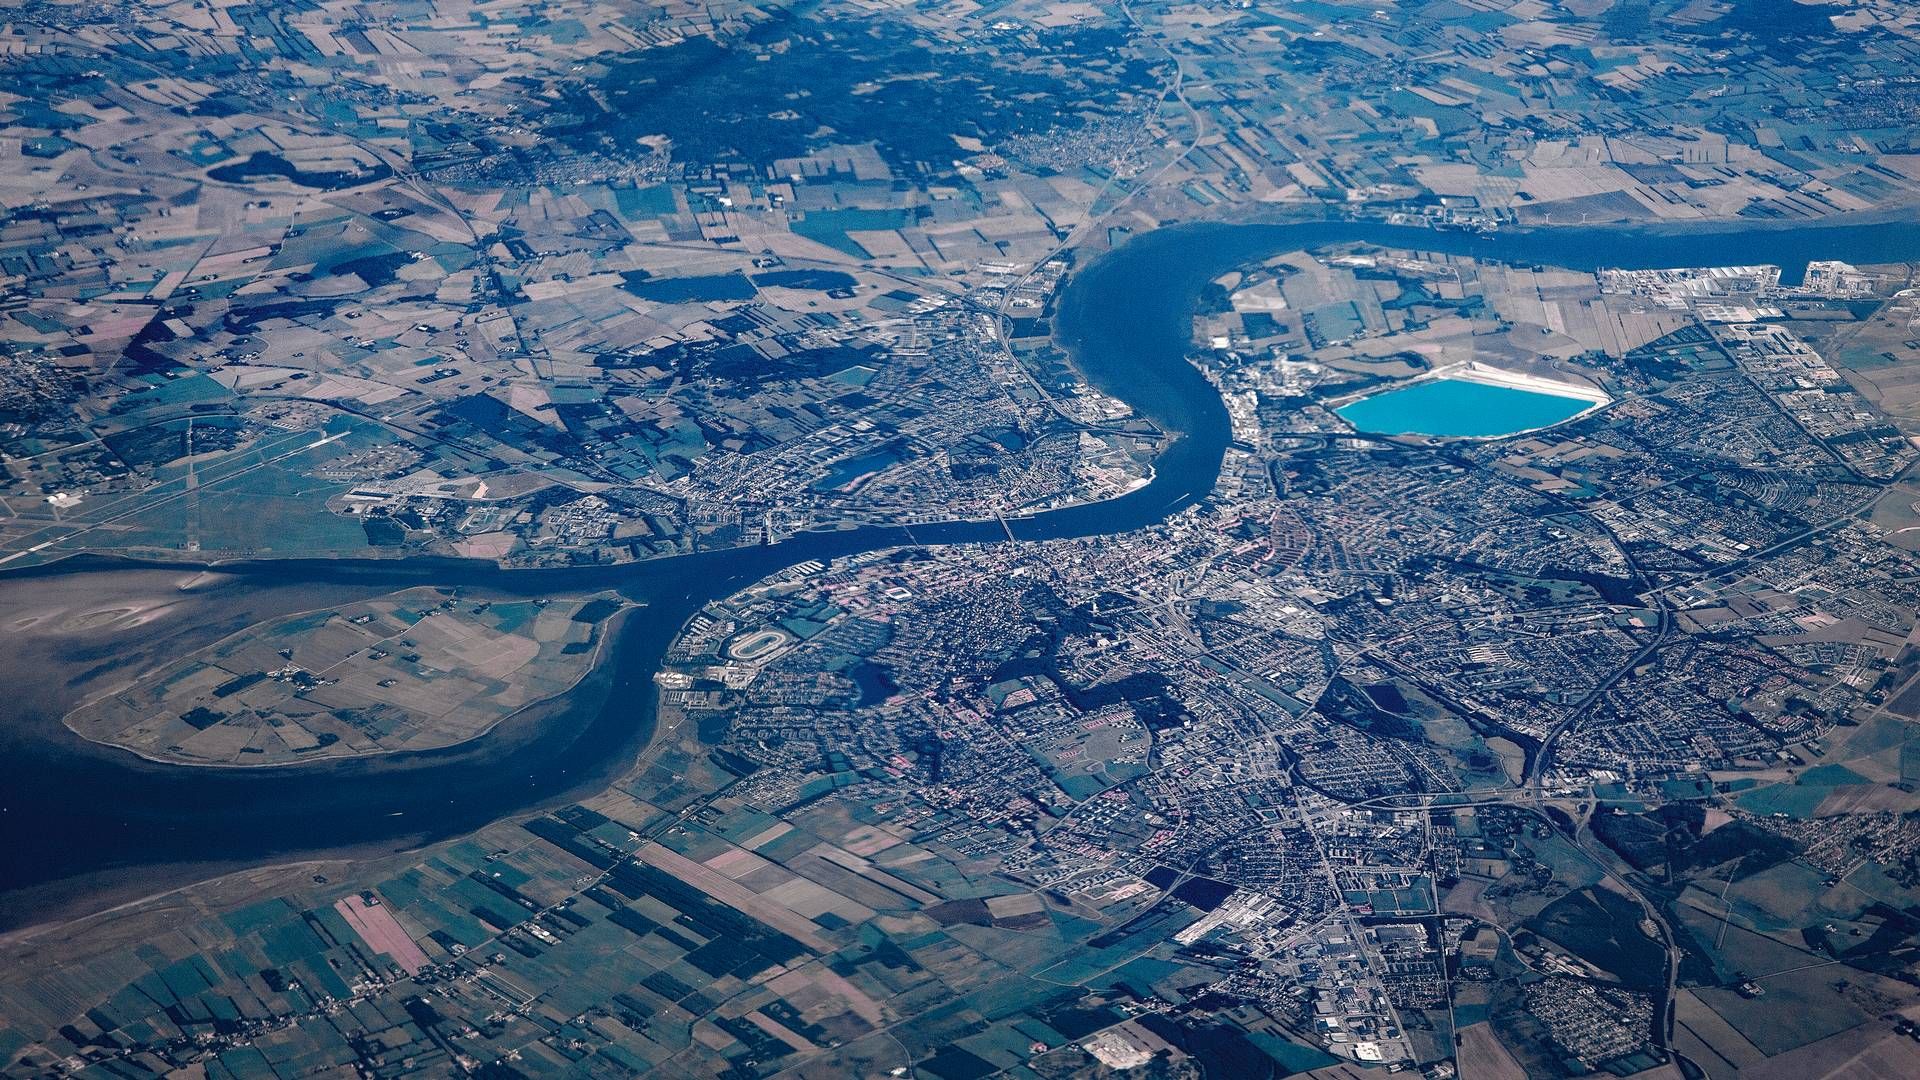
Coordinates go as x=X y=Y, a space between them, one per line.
x=84 y=826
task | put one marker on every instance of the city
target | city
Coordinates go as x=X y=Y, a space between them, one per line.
x=1055 y=540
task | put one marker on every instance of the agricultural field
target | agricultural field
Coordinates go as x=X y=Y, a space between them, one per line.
x=413 y=670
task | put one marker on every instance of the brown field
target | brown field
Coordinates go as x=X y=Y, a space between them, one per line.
x=1484 y=1058
x=409 y=671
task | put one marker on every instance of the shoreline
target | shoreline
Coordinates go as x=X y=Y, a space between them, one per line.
x=1484 y=374
x=1125 y=317
x=1418 y=235
x=1474 y=371
x=627 y=607
x=1664 y=227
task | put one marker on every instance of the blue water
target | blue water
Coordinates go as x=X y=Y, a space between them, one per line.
x=1457 y=408
x=82 y=824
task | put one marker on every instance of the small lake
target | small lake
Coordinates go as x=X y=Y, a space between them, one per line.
x=1460 y=409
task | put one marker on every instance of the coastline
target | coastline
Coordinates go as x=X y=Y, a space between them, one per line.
x=1473 y=371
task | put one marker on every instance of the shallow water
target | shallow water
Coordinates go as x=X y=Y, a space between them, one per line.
x=1459 y=408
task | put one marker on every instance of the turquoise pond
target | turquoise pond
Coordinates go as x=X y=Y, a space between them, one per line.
x=1458 y=408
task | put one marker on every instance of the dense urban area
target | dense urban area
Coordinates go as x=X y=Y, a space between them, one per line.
x=1534 y=692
